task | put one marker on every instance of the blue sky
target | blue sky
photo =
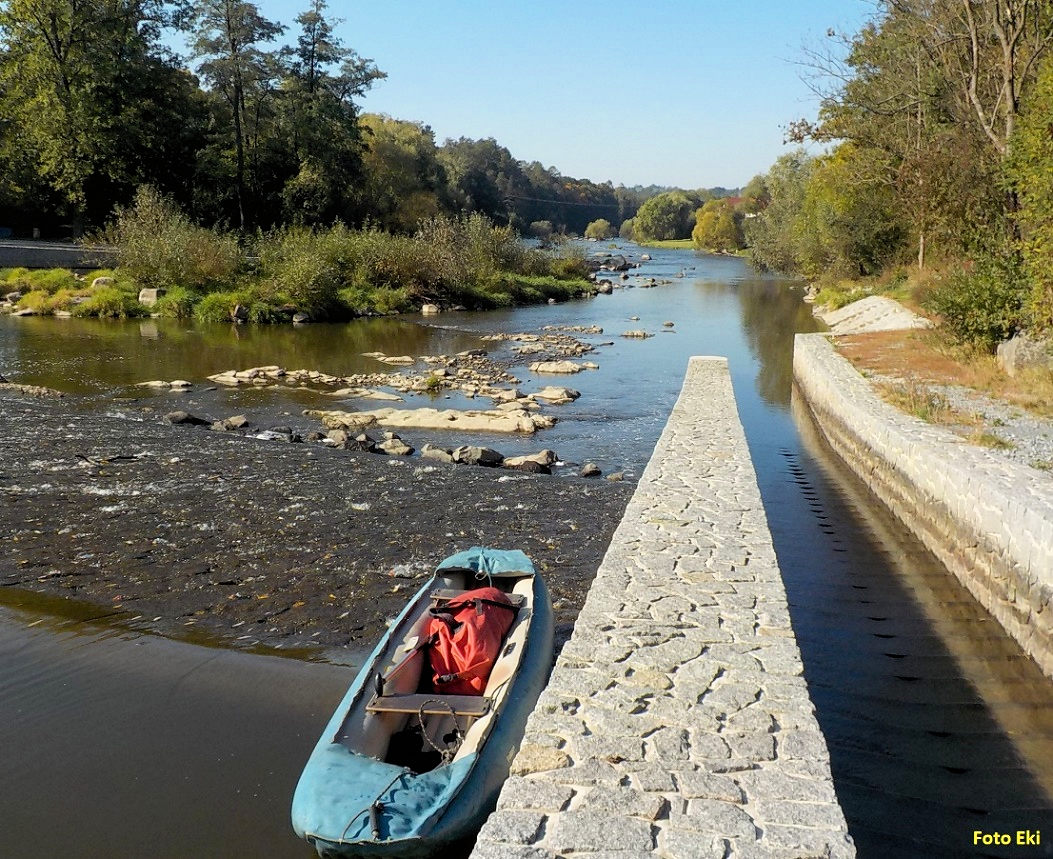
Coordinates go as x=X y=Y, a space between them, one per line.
x=693 y=93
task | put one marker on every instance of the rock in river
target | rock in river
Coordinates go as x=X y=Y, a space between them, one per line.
x=472 y=455
x=511 y=420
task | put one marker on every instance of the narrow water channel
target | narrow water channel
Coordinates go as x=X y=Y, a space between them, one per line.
x=131 y=745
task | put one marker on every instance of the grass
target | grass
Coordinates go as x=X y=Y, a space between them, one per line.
x=989 y=439
x=673 y=244
x=916 y=399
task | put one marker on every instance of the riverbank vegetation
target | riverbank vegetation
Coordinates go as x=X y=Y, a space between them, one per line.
x=937 y=184
x=332 y=273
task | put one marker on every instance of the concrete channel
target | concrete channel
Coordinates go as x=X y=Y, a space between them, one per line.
x=677 y=721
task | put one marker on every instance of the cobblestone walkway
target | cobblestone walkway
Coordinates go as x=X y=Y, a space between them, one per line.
x=677 y=722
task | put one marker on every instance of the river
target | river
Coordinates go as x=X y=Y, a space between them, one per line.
x=127 y=744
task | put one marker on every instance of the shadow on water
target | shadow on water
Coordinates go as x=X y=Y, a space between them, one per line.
x=937 y=723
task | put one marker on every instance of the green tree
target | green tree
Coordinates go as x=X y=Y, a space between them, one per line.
x=773 y=235
x=1030 y=169
x=718 y=226
x=666 y=216
x=87 y=95
x=599 y=229
x=628 y=229
x=404 y=182
x=230 y=40
x=318 y=123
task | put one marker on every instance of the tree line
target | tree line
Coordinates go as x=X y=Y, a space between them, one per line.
x=939 y=163
x=248 y=132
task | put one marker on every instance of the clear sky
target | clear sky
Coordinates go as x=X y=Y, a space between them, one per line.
x=693 y=93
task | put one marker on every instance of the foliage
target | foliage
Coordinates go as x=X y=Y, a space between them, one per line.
x=773 y=235
x=112 y=302
x=983 y=305
x=178 y=303
x=158 y=246
x=541 y=229
x=718 y=226
x=599 y=229
x=1030 y=168
x=666 y=216
x=628 y=229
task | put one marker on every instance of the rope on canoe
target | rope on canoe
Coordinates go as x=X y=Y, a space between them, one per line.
x=450 y=751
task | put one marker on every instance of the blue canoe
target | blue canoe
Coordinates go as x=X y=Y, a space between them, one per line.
x=402 y=773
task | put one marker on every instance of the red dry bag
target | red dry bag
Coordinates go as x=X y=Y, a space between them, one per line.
x=466 y=636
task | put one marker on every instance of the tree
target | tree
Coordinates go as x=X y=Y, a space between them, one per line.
x=87 y=96
x=772 y=235
x=230 y=35
x=666 y=216
x=599 y=229
x=318 y=124
x=404 y=181
x=718 y=226
x=1030 y=168
x=627 y=230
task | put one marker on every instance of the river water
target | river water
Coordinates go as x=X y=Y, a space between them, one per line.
x=125 y=744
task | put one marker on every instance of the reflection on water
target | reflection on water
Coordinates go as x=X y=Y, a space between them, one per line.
x=123 y=745
x=937 y=723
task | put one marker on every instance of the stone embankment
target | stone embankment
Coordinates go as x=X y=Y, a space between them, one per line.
x=989 y=520
x=677 y=722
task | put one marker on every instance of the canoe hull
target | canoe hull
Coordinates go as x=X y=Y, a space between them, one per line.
x=450 y=803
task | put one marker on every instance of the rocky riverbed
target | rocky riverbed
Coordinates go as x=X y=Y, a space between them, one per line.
x=261 y=543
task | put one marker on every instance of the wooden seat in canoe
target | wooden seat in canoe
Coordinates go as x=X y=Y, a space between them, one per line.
x=451 y=594
x=433 y=705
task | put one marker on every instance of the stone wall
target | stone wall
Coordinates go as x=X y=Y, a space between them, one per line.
x=677 y=722
x=989 y=520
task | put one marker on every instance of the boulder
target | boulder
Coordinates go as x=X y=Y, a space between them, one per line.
x=429 y=309
x=180 y=384
x=544 y=458
x=13 y=297
x=105 y=281
x=556 y=395
x=147 y=297
x=1023 y=351
x=301 y=318
x=605 y=287
x=240 y=313
x=637 y=334
x=441 y=454
x=645 y=257
x=181 y=417
x=514 y=420
x=472 y=455
x=557 y=367
x=529 y=466
x=668 y=324
x=394 y=446
x=590 y=469
x=616 y=476
x=230 y=424
x=398 y=360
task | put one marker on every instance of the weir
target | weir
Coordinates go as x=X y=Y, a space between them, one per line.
x=677 y=721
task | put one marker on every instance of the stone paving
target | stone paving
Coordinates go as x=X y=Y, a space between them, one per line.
x=677 y=722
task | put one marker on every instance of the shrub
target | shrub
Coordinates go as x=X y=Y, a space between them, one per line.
x=177 y=303
x=112 y=302
x=984 y=306
x=218 y=306
x=599 y=229
x=158 y=246
x=38 y=301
